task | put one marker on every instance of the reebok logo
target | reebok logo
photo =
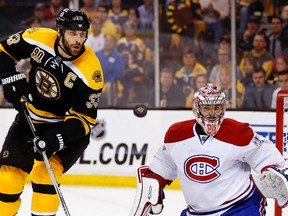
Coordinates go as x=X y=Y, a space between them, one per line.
x=13 y=78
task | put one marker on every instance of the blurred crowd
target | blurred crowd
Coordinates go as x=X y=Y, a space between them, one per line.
x=194 y=49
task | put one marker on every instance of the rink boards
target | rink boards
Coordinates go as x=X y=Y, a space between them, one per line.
x=127 y=142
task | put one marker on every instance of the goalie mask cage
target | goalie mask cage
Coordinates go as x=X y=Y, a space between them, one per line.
x=281 y=134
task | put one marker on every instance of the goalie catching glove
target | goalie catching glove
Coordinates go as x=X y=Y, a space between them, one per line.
x=14 y=86
x=272 y=183
x=149 y=195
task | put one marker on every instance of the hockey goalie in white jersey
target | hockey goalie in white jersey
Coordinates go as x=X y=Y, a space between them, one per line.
x=213 y=157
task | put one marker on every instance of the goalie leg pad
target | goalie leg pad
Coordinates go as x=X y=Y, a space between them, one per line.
x=272 y=183
x=147 y=196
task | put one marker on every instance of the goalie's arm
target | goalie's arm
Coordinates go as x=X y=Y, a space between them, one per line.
x=149 y=195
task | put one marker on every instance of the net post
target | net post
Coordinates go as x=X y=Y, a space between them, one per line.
x=280 y=109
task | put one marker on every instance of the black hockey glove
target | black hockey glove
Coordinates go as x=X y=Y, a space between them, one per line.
x=14 y=86
x=50 y=143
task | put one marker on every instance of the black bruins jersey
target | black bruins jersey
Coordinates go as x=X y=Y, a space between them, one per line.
x=61 y=88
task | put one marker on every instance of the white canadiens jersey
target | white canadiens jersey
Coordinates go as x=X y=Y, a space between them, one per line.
x=214 y=172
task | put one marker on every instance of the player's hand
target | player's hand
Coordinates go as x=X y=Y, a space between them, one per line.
x=14 y=86
x=48 y=143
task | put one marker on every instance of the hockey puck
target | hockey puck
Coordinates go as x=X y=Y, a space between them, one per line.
x=140 y=110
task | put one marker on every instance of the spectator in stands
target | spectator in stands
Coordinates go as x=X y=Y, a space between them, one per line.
x=171 y=95
x=258 y=95
x=54 y=9
x=224 y=57
x=224 y=81
x=257 y=8
x=280 y=63
x=191 y=67
x=215 y=15
x=96 y=38
x=134 y=87
x=260 y=53
x=132 y=49
x=284 y=16
x=244 y=13
x=246 y=39
x=184 y=18
x=108 y=27
x=89 y=8
x=117 y=14
x=225 y=42
x=197 y=82
x=132 y=45
x=146 y=14
x=133 y=16
x=112 y=64
x=278 y=37
x=282 y=80
x=39 y=19
x=249 y=64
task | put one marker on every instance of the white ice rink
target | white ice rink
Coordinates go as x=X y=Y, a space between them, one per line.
x=106 y=201
x=103 y=201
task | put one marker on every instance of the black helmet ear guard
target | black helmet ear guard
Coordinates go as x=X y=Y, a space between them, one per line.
x=72 y=20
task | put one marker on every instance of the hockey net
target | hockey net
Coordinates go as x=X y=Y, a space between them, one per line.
x=281 y=134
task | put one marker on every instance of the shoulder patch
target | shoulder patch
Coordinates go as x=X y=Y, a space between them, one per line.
x=97 y=76
x=179 y=131
x=32 y=30
x=235 y=133
x=89 y=66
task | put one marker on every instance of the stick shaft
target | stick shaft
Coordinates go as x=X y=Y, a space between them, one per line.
x=45 y=158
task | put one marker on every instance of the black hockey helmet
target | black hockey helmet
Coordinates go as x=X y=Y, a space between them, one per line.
x=73 y=20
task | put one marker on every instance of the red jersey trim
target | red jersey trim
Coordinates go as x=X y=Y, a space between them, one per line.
x=235 y=133
x=231 y=132
x=179 y=131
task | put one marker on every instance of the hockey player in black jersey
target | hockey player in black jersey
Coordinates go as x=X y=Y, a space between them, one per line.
x=64 y=87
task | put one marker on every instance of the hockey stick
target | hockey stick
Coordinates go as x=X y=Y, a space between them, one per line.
x=23 y=101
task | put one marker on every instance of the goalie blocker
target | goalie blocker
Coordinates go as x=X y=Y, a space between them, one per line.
x=149 y=195
x=272 y=183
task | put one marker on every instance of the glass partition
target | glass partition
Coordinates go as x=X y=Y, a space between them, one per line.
x=158 y=53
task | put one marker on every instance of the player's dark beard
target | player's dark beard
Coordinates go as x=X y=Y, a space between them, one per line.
x=66 y=48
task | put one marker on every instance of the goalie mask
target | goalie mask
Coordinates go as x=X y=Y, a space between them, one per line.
x=205 y=97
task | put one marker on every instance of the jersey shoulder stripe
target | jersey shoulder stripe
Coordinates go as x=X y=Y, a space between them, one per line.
x=235 y=133
x=89 y=69
x=87 y=66
x=179 y=131
x=43 y=36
